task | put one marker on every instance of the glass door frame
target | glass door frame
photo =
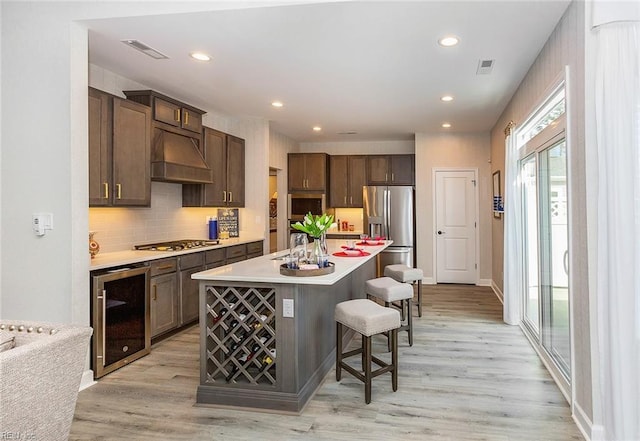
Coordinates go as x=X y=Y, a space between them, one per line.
x=540 y=337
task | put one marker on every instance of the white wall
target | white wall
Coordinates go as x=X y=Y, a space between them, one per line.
x=279 y=146
x=44 y=80
x=452 y=151
x=359 y=147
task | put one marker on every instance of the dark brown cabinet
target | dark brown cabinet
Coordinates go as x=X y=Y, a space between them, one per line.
x=225 y=155
x=188 y=265
x=307 y=172
x=347 y=177
x=119 y=151
x=390 y=170
x=169 y=111
x=164 y=303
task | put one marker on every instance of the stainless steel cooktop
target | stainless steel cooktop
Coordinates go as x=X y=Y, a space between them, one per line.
x=176 y=245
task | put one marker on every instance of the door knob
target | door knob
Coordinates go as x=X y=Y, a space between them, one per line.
x=440 y=232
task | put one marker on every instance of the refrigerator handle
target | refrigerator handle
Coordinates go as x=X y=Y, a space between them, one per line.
x=387 y=213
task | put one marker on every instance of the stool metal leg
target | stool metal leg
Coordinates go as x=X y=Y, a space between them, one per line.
x=420 y=298
x=394 y=359
x=366 y=342
x=338 y=350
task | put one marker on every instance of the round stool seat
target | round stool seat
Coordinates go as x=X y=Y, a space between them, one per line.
x=366 y=317
x=387 y=289
x=403 y=273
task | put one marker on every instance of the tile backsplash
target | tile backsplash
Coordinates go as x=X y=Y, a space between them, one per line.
x=119 y=229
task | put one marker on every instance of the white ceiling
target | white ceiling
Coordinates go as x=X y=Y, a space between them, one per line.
x=370 y=67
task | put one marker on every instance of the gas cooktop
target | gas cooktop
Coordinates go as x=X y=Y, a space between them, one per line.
x=176 y=245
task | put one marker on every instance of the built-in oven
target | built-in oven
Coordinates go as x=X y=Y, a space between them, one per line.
x=300 y=204
x=120 y=317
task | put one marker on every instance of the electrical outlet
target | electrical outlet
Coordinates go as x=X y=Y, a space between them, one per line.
x=287 y=307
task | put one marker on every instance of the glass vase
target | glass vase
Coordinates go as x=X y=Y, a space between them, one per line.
x=319 y=251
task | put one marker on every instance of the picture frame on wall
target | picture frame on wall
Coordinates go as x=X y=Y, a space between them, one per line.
x=498 y=207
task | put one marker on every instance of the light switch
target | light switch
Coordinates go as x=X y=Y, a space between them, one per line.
x=287 y=307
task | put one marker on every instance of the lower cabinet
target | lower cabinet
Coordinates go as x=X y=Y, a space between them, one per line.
x=189 y=288
x=164 y=296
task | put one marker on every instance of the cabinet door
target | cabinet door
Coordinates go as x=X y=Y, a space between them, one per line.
x=338 y=181
x=402 y=170
x=357 y=179
x=189 y=295
x=99 y=148
x=315 y=171
x=167 y=112
x=191 y=120
x=235 y=171
x=295 y=171
x=377 y=169
x=131 y=153
x=164 y=303
x=215 y=148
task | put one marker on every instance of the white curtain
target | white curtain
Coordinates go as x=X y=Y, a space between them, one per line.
x=512 y=234
x=617 y=94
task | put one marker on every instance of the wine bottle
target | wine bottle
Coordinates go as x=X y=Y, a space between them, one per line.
x=256 y=347
x=222 y=313
x=258 y=323
x=236 y=344
x=241 y=360
x=268 y=360
x=236 y=322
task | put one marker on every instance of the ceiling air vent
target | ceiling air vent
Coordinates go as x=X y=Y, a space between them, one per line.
x=484 y=67
x=137 y=45
x=351 y=132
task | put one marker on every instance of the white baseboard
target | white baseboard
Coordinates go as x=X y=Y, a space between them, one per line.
x=428 y=281
x=496 y=290
x=87 y=379
x=589 y=431
x=484 y=282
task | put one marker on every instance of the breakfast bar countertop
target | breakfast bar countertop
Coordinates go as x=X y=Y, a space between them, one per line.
x=128 y=257
x=266 y=268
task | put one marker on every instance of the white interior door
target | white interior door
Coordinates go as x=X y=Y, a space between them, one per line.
x=455 y=230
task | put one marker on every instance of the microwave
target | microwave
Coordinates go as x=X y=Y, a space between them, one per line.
x=302 y=203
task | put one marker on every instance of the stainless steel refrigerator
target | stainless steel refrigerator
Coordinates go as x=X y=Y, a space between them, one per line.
x=389 y=211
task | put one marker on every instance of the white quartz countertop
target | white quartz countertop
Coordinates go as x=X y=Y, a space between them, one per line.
x=127 y=257
x=267 y=268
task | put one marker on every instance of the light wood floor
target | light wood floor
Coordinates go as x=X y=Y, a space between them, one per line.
x=468 y=376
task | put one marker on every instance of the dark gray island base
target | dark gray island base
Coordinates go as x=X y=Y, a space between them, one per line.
x=253 y=354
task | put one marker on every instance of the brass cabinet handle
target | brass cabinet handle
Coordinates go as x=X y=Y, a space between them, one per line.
x=186 y=118
x=106 y=190
x=155 y=292
x=230 y=197
x=351 y=199
x=164 y=267
x=224 y=196
x=119 y=191
x=392 y=178
x=345 y=199
x=177 y=115
x=386 y=176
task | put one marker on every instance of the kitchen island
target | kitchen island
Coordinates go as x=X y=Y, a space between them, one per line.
x=267 y=340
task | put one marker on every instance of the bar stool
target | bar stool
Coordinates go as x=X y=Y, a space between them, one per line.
x=406 y=274
x=367 y=318
x=390 y=291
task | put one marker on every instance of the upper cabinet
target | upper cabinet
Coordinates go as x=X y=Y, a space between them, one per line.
x=169 y=111
x=308 y=172
x=391 y=170
x=225 y=155
x=119 y=151
x=347 y=177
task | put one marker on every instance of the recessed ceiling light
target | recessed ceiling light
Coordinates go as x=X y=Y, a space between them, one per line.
x=317 y=129
x=200 y=56
x=446 y=125
x=277 y=104
x=446 y=98
x=449 y=41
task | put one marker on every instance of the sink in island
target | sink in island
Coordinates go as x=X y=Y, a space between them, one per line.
x=267 y=340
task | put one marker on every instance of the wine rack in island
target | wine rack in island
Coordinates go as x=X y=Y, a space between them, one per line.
x=241 y=336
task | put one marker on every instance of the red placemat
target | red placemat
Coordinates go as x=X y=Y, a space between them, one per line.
x=370 y=244
x=342 y=254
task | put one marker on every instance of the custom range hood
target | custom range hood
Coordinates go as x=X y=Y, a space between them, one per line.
x=176 y=158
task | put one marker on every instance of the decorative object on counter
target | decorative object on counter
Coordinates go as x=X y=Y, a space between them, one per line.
x=351 y=253
x=94 y=247
x=228 y=223
x=213 y=228
x=286 y=271
x=316 y=227
x=297 y=250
